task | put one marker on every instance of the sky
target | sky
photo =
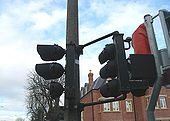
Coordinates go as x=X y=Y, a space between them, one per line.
x=26 y=23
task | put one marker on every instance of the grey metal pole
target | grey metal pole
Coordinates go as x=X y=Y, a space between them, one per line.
x=154 y=50
x=72 y=84
x=165 y=29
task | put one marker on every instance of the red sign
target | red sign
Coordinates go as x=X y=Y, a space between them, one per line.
x=140 y=41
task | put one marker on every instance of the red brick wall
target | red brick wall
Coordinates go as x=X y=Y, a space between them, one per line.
x=161 y=113
x=140 y=105
x=87 y=114
x=100 y=115
x=126 y=116
x=122 y=115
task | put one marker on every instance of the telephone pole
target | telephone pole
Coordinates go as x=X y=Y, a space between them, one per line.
x=72 y=83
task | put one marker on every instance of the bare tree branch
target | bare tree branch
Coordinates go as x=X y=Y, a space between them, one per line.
x=39 y=102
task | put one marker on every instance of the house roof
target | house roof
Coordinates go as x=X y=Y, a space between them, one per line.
x=97 y=84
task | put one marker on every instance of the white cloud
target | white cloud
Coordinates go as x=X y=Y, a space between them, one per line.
x=115 y=15
x=87 y=64
x=44 y=20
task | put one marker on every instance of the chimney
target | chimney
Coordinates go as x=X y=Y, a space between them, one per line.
x=90 y=75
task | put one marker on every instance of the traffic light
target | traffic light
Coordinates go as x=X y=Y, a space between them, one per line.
x=56 y=90
x=50 y=53
x=116 y=68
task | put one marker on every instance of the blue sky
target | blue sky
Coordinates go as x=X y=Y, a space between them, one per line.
x=26 y=23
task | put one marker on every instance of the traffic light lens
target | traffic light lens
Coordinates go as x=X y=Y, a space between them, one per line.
x=49 y=70
x=109 y=70
x=111 y=89
x=50 y=52
x=108 y=53
x=56 y=90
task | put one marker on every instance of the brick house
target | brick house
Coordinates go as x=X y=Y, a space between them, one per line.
x=130 y=109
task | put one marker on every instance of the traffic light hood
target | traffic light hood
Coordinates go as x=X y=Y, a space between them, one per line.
x=49 y=70
x=111 y=89
x=56 y=90
x=50 y=52
x=108 y=53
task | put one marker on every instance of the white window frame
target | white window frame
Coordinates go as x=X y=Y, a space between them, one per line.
x=129 y=105
x=115 y=106
x=82 y=115
x=147 y=101
x=106 y=107
x=164 y=106
x=157 y=105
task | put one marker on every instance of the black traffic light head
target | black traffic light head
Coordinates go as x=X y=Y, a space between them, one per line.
x=50 y=52
x=56 y=90
x=111 y=88
x=142 y=67
x=49 y=70
x=108 y=53
x=109 y=70
x=116 y=68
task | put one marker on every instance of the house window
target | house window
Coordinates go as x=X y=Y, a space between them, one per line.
x=157 y=106
x=163 y=102
x=147 y=101
x=129 y=105
x=82 y=115
x=116 y=106
x=106 y=106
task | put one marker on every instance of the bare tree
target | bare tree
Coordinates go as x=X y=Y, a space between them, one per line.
x=40 y=105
